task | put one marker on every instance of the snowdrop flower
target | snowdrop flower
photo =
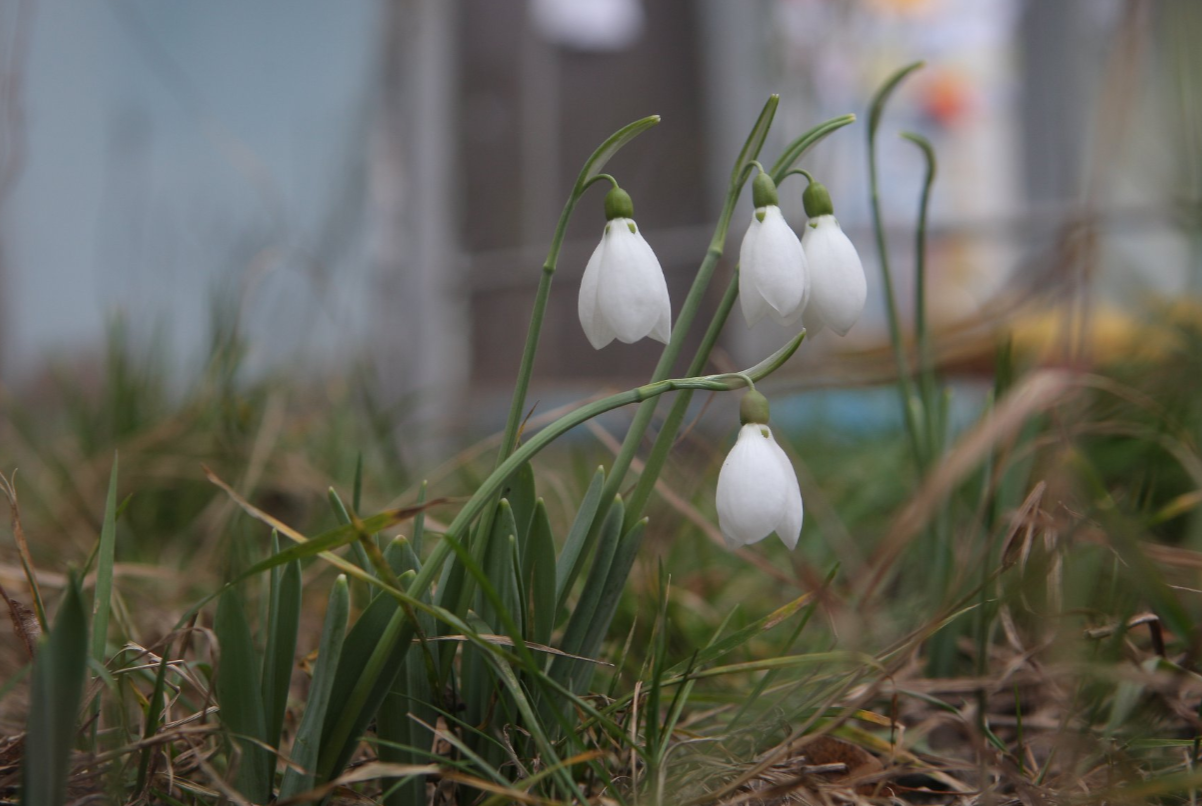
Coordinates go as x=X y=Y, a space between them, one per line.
x=773 y=280
x=623 y=294
x=757 y=488
x=837 y=286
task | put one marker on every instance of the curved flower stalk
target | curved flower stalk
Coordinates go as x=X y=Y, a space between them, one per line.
x=838 y=289
x=773 y=278
x=757 y=487
x=623 y=293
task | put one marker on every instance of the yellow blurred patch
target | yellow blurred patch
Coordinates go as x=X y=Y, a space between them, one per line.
x=1108 y=333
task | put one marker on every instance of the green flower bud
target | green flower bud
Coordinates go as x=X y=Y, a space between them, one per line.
x=618 y=205
x=753 y=409
x=817 y=200
x=763 y=191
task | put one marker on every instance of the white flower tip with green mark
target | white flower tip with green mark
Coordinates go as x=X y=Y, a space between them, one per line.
x=773 y=278
x=838 y=289
x=757 y=491
x=623 y=294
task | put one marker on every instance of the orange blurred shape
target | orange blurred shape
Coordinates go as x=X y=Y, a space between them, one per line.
x=946 y=96
x=903 y=6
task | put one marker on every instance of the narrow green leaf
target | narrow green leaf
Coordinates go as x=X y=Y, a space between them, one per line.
x=522 y=497
x=586 y=609
x=419 y=522
x=379 y=639
x=615 y=582
x=539 y=568
x=271 y=617
x=801 y=145
x=658 y=662
x=882 y=96
x=451 y=591
x=308 y=734
x=154 y=712
x=340 y=512
x=755 y=140
x=239 y=696
x=568 y=565
x=101 y=605
x=608 y=149
x=357 y=486
x=904 y=380
x=498 y=565
x=478 y=690
x=57 y=687
x=410 y=699
x=398 y=728
x=361 y=700
x=279 y=660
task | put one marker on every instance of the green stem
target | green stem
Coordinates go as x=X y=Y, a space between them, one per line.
x=799 y=172
x=533 y=332
x=903 y=368
x=926 y=365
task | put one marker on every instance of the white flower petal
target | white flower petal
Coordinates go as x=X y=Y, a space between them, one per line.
x=812 y=321
x=788 y=529
x=754 y=306
x=598 y=332
x=772 y=270
x=757 y=494
x=838 y=289
x=632 y=294
x=662 y=331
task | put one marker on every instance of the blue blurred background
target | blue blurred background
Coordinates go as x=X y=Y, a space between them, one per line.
x=373 y=183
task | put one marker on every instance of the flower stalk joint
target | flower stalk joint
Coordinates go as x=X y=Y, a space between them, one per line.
x=763 y=191
x=753 y=408
x=817 y=200
x=618 y=204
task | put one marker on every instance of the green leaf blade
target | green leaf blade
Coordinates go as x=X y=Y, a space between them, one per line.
x=105 y=558
x=801 y=145
x=308 y=734
x=57 y=688
x=755 y=140
x=606 y=151
x=240 y=699
x=568 y=564
x=539 y=568
x=877 y=109
x=277 y=666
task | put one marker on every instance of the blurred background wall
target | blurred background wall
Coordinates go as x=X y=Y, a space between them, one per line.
x=374 y=182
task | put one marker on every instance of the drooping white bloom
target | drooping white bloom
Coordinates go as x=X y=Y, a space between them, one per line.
x=838 y=289
x=623 y=293
x=773 y=279
x=757 y=491
x=837 y=285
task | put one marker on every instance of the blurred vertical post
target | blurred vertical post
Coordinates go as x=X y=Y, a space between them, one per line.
x=16 y=21
x=421 y=325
